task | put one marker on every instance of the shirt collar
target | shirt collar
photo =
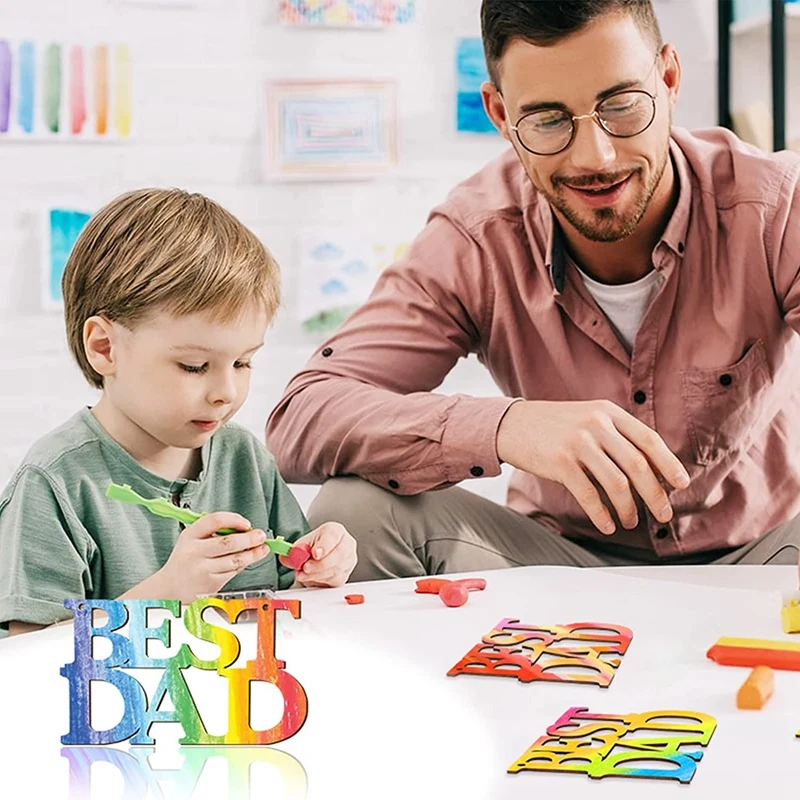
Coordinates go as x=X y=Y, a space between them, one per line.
x=674 y=235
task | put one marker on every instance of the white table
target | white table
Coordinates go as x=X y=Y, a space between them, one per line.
x=385 y=721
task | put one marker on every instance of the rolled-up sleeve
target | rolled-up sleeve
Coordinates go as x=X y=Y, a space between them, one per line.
x=366 y=403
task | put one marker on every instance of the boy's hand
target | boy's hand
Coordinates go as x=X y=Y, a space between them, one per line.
x=202 y=562
x=333 y=556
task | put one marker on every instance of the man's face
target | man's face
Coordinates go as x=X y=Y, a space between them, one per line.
x=601 y=185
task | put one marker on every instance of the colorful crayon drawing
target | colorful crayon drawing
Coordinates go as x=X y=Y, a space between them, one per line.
x=601 y=745
x=332 y=129
x=347 y=13
x=62 y=227
x=63 y=92
x=471 y=73
x=337 y=271
x=583 y=652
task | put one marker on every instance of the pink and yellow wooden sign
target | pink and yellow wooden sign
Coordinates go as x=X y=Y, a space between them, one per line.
x=583 y=652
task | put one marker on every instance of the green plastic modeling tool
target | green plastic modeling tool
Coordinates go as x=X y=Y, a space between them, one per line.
x=162 y=507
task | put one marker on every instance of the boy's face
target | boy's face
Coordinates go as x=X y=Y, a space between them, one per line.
x=178 y=379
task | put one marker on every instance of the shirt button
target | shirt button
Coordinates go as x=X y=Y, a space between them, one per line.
x=393 y=484
x=726 y=379
x=328 y=351
x=639 y=397
x=476 y=471
x=662 y=533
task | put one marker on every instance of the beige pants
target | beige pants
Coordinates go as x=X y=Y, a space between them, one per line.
x=454 y=530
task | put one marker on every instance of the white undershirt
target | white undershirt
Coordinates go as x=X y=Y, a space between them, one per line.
x=625 y=304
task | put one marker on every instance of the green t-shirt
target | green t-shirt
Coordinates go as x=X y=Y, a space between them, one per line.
x=61 y=537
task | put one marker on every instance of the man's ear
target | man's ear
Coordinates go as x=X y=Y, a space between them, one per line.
x=100 y=339
x=672 y=73
x=495 y=108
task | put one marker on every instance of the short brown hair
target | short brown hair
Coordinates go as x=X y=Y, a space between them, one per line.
x=546 y=22
x=166 y=250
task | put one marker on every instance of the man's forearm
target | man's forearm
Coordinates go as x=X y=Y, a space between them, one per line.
x=329 y=425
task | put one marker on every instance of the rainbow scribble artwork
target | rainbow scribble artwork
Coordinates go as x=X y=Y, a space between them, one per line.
x=131 y=653
x=347 y=13
x=62 y=226
x=57 y=91
x=332 y=129
x=471 y=72
x=337 y=272
x=603 y=745
x=536 y=653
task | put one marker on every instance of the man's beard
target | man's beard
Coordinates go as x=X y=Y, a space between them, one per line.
x=607 y=224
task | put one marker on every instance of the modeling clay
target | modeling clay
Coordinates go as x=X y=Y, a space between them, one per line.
x=354 y=599
x=431 y=585
x=454 y=594
x=298 y=556
x=757 y=689
x=790 y=617
x=435 y=585
x=732 y=652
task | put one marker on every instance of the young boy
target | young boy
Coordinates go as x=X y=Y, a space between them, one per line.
x=167 y=297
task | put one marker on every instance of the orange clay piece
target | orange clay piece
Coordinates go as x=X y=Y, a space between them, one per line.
x=431 y=585
x=757 y=689
x=478 y=584
x=454 y=595
x=435 y=585
x=354 y=599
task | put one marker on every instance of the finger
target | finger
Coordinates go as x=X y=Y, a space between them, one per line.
x=219 y=546
x=234 y=563
x=580 y=487
x=324 y=539
x=343 y=554
x=648 y=442
x=329 y=578
x=209 y=524
x=615 y=483
x=640 y=472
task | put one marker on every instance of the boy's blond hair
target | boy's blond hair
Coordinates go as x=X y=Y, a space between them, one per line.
x=163 y=250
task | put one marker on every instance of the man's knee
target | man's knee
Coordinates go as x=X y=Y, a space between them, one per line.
x=355 y=503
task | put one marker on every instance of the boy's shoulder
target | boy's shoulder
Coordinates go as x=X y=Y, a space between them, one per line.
x=239 y=455
x=68 y=444
x=233 y=437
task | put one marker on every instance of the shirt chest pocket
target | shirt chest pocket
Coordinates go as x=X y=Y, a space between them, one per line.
x=722 y=405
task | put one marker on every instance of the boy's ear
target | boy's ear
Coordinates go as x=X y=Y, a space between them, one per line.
x=99 y=339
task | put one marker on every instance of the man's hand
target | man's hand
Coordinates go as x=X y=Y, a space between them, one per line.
x=333 y=556
x=568 y=442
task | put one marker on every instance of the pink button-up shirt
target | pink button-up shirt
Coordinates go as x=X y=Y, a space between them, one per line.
x=715 y=366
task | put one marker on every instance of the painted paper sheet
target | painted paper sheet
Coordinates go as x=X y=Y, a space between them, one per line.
x=347 y=13
x=471 y=73
x=332 y=129
x=62 y=228
x=337 y=271
x=65 y=91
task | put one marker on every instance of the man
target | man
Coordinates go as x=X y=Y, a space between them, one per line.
x=633 y=290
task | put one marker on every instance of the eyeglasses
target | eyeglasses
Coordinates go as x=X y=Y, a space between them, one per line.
x=548 y=131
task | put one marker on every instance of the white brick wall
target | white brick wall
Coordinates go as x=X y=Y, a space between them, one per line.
x=199 y=88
